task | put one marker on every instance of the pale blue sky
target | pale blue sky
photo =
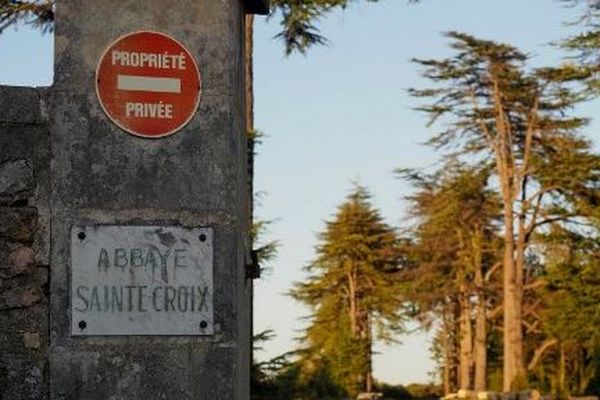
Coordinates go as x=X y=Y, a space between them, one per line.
x=340 y=114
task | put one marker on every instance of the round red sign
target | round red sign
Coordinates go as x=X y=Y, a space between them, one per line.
x=148 y=84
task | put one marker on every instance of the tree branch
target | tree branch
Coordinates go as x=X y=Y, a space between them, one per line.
x=532 y=123
x=491 y=271
x=539 y=353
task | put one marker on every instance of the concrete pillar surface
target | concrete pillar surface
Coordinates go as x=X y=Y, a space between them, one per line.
x=101 y=175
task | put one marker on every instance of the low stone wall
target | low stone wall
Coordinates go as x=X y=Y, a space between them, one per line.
x=489 y=395
x=522 y=395
x=24 y=184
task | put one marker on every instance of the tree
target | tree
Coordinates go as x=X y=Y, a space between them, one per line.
x=298 y=21
x=586 y=45
x=299 y=30
x=494 y=109
x=454 y=248
x=570 y=315
x=353 y=292
x=38 y=12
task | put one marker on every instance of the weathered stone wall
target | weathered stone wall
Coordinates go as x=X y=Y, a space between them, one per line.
x=194 y=178
x=24 y=180
x=64 y=164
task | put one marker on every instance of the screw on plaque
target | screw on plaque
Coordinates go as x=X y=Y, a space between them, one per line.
x=202 y=238
x=82 y=325
x=203 y=324
x=81 y=236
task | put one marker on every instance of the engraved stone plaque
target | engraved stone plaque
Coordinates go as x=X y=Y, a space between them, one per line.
x=141 y=280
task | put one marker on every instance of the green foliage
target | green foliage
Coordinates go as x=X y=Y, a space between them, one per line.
x=299 y=18
x=571 y=315
x=453 y=239
x=298 y=21
x=266 y=250
x=395 y=392
x=496 y=114
x=586 y=45
x=353 y=292
x=573 y=275
x=281 y=378
x=304 y=375
x=423 y=391
x=484 y=75
x=39 y=13
x=449 y=209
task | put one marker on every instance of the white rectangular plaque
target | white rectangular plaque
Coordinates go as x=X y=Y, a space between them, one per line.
x=141 y=280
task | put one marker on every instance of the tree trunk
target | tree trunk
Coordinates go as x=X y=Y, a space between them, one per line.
x=517 y=334
x=480 y=323
x=510 y=185
x=445 y=335
x=465 y=340
x=361 y=331
x=447 y=379
x=481 y=346
x=353 y=306
x=562 y=389
x=508 y=371
x=369 y=372
x=514 y=369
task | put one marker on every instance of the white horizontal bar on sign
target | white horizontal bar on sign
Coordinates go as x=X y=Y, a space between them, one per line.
x=148 y=84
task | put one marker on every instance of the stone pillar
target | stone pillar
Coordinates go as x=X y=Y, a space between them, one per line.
x=196 y=178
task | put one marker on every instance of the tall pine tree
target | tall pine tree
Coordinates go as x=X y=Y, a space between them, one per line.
x=493 y=108
x=353 y=292
x=454 y=249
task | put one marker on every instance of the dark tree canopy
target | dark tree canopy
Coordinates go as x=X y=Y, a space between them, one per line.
x=299 y=21
x=38 y=12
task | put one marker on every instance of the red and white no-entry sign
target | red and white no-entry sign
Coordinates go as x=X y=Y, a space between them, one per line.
x=148 y=84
